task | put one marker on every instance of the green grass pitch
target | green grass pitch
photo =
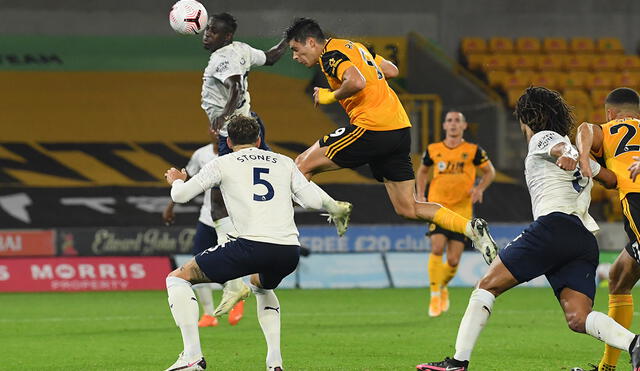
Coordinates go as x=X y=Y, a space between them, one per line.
x=385 y=329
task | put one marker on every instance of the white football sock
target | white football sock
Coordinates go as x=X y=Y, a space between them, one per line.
x=224 y=227
x=184 y=308
x=328 y=203
x=606 y=329
x=473 y=321
x=205 y=296
x=269 y=318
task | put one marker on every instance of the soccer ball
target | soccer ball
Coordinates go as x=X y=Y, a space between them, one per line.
x=188 y=17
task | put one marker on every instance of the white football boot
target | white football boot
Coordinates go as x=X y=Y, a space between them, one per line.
x=234 y=291
x=482 y=240
x=183 y=364
x=341 y=218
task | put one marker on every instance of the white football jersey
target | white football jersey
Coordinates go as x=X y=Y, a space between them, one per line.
x=257 y=187
x=200 y=158
x=236 y=58
x=553 y=189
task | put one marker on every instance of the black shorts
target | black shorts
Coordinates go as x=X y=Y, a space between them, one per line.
x=436 y=229
x=558 y=246
x=631 y=211
x=205 y=238
x=243 y=257
x=386 y=152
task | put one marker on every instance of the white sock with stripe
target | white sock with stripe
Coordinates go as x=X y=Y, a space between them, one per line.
x=268 y=308
x=606 y=329
x=473 y=321
x=185 y=311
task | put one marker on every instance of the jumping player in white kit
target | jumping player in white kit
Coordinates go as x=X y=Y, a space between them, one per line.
x=258 y=187
x=559 y=243
x=225 y=93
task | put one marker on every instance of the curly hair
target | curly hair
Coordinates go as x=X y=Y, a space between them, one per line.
x=542 y=109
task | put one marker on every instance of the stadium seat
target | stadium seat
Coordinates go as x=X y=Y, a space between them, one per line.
x=629 y=63
x=493 y=62
x=604 y=62
x=546 y=79
x=473 y=45
x=516 y=81
x=513 y=95
x=581 y=112
x=475 y=61
x=554 y=45
x=597 y=115
x=577 y=97
x=600 y=80
x=609 y=45
x=572 y=80
x=582 y=45
x=628 y=79
x=577 y=62
x=522 y=62
x=530 y=45
x=496 y=78
x=598 y=96
x=500 y=45
x=549 y=62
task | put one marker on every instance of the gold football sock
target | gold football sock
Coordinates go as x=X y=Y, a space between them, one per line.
x=449 y=273
x=621 y=310
x=435 y=273
x=451 y=221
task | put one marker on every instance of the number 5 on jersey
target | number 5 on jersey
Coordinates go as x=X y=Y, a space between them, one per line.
x=257 y=180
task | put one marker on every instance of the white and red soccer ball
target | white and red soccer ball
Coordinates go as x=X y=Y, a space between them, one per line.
x=188 y=17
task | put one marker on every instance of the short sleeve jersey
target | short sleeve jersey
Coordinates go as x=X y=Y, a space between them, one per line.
x=454 y=174
x=200 y=158
x=236 y=58
x=376 y=107
x=620 y=144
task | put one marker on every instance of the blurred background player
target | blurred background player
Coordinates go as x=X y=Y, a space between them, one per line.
x=266 y=247
x=558 y=244
x=205 y=236
x=379 y=134
x=449 y=167
x=616 y=144
x=225 y=93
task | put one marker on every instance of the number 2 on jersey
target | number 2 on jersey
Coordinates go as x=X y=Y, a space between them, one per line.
x=623 y=146
x=257 y=179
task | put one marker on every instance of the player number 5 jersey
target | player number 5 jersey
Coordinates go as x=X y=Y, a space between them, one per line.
x=257 y=187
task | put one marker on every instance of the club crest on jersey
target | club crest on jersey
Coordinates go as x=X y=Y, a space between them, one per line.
x=465 y=155
x=242 y=61
x=333 y=63
x=442 y=165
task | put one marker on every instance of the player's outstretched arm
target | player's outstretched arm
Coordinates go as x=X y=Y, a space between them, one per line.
x=234 y=84
x=274 y=54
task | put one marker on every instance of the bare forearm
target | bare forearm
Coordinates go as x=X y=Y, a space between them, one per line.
x=584 y=140
x=487 y=178
x=274 y=54
x=347 y=89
